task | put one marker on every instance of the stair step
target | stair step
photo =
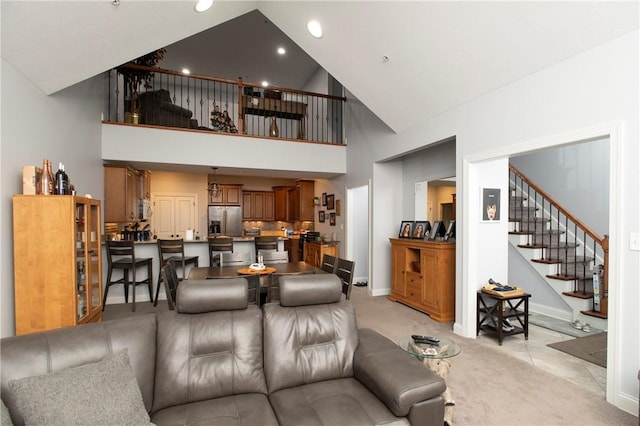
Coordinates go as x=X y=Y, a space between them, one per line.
x=578 y=294
x=594 y=314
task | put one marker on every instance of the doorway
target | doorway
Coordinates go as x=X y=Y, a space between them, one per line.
x=358 y=229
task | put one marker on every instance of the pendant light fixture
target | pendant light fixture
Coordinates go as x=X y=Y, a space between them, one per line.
x=214 y=186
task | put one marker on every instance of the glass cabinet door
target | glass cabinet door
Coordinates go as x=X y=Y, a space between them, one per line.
x=81 y=261
x=94 y=272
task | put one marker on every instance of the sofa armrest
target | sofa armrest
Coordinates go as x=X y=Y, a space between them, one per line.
x=393 y=375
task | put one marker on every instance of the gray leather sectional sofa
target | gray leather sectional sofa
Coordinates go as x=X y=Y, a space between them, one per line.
x=217 y=360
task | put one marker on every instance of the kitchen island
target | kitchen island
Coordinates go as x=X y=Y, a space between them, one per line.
x=149 y=248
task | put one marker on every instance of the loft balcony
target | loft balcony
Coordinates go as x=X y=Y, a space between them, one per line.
x=170 y=99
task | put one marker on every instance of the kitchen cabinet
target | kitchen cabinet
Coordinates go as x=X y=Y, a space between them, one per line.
x=295 y=203
x=314 y=251
x=230 y=195
x=281 y=209
x=57 y=253
x=258 y=205
x=291 y=246
x=423 y=276
x=122 y=192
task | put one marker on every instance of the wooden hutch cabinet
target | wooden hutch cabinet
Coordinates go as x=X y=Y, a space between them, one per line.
x=57 y=251
x=423 y=276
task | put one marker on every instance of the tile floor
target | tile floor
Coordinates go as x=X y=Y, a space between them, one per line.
x=535 y=351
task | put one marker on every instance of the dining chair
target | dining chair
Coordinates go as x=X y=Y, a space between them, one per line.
x=171 y=281
x=329 y=263
x=266 y=243
x=219 y=245
x=344 y=270
x=121 y=255
x=173 y=249
x=236 y=259
x=270 y=257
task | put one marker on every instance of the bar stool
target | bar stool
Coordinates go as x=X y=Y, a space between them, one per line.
x=219 y=245
x=121 y=255
x=266 y=243
x=173 y=250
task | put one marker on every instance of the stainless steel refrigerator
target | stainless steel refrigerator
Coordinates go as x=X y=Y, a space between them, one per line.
x=225 y=220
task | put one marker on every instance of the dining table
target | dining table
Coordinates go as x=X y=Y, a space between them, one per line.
x=230 y=271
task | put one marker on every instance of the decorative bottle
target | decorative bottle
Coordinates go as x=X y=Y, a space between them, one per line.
x=47 y=184
x=62 y=181
x=273 y=129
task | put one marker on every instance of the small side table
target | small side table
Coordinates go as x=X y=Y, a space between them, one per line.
x=492 y=310
x=436 y=357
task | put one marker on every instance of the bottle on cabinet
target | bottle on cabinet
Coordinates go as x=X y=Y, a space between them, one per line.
x=62 y=181
x=47 y=180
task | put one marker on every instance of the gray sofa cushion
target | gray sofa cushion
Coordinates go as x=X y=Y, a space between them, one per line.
x=42 y=353
x=333 y=402
x=310 y=343
x=200 y=296
x=317 y=289
x=103 y=392
x=246 y=409
x=208 y=355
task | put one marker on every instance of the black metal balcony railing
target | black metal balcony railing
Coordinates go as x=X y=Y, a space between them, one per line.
x=172 y=99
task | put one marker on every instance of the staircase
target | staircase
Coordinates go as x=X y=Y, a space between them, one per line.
x=563 y=250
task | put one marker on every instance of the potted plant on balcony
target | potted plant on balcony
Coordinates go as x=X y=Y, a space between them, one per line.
x=133 y=78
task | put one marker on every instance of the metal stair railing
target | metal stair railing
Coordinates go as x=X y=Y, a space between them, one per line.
x=563 y=238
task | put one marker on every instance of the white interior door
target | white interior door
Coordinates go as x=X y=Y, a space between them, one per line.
x=173 y=214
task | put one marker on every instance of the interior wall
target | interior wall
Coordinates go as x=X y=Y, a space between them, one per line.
x=509 y=121
x=359 y=211
x=63 y=127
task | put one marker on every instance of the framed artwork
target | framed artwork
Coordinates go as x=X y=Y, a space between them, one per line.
x=338 y=207
x=420 y=229
x=331 y=202
x=321 y=216
x=324 y=198
x=332 y=219
x=406 y=229
x=490 y=204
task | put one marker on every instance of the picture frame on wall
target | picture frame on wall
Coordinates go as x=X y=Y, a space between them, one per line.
x=332 y=219
x=490 y=204
x=324 y=198
x=406 y=229
x=338 y=207
x=331 y=202
x=321 y=216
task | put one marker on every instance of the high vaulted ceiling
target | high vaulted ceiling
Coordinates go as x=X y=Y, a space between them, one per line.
x=440 y=54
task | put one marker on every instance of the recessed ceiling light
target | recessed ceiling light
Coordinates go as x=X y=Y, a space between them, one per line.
x=281 y=51
x=265 y=83
x=315 y=29
x=186 y=71
x=203 y=5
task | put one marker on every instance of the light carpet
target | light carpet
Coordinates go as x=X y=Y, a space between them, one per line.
x=488 y=386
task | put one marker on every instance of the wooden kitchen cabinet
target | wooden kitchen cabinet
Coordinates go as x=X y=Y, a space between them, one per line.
x=314 y=251
x=122 y=192
x=258 y=205
x=423 y=276
x=230 y=195
x=306 y=190
x=281 y=207
x=57 y=251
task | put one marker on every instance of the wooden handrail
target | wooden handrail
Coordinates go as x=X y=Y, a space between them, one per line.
x=557 y=205
x=603 y=241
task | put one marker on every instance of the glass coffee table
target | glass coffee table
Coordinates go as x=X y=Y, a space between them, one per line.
x=437 y=358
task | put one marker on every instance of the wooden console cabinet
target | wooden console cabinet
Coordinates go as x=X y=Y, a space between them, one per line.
x=57 y=253
x=423 y=276
x=314 y=252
